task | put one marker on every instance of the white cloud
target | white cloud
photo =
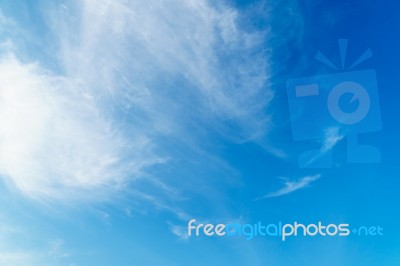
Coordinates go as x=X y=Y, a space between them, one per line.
x=292 y=186
x=172 y=61
x=332 y=137
x=53 y=138
x=132 y=78
x=179 y=231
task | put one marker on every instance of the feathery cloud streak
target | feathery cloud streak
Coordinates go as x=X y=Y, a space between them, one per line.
x=292 y=186
x=131 y=78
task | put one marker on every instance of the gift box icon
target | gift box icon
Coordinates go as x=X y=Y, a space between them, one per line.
x=332 y=106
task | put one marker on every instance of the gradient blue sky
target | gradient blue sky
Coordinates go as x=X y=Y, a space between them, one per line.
x=122 y=120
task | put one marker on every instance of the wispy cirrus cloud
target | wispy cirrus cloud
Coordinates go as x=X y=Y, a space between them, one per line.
x=179 y=231
x=292 y=186
x=128 y=81
x=53 y=138
x=332 y=137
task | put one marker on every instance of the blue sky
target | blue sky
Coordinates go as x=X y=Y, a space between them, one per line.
x=123 y=120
